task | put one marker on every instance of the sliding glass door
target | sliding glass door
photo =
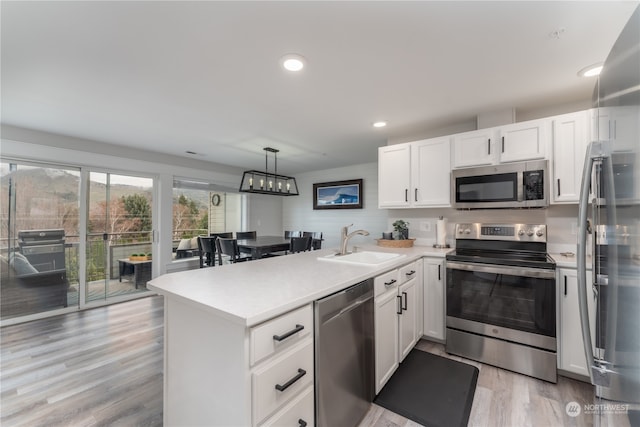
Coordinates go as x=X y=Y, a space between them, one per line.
x=119 y=235
x=39 y=235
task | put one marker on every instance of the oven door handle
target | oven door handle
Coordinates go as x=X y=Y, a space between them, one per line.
x=539 y=273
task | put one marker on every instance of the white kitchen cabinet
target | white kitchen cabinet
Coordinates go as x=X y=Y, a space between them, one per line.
x=523 y=141
x=394 y=176
x=415 y=174
x=617 y=124
x=434 y=298
x=219 y=372
x=386 y=324
x=397 y=313
x=431 y=173
x=475 y=148
x=570 y=141
x=571 y=357
x=407 y=326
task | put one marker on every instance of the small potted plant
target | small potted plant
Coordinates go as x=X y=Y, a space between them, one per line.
x=402 y=228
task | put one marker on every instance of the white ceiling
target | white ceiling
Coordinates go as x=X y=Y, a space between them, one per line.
x=205 y=76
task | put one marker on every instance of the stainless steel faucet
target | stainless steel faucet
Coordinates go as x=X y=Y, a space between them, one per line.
x=345 y=238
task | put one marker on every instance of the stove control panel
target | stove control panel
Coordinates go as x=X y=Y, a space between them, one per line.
x=513 y=232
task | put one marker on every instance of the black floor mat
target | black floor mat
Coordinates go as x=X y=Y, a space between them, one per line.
x=431 y=390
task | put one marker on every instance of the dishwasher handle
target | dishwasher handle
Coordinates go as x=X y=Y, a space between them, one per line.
x=348 y=308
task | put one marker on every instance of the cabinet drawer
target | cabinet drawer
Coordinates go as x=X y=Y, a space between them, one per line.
x=301 y=408
x=276 y=335
x=408 y=272
x=291 y=370
x=385 y=282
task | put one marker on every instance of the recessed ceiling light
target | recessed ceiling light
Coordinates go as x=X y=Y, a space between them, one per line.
x=379 y=124
x=591 y=70
x=293 y=62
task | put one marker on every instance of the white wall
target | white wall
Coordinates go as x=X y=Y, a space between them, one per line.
x=298 y=213
x=265 y=214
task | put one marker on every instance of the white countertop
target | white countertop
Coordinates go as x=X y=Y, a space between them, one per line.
x=251 y=292
x=563 y=261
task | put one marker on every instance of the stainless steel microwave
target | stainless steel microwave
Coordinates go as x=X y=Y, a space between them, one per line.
x=510 y=185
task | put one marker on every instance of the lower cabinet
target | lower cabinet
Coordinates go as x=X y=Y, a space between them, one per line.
x=571 y=357
x=397 y=314
x=434 y=298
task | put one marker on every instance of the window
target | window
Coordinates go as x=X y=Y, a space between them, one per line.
x=201 y=208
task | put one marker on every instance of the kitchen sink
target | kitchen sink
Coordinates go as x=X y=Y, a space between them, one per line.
x=362 y=258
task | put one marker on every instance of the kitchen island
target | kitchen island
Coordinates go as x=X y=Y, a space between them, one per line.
x=219 y=334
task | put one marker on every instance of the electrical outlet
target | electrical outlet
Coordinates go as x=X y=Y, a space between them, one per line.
x=425 y=226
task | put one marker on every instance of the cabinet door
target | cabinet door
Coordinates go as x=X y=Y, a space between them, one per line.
x=474 y=148
x=434 y=314
x=407 y=322
x=394 y=176
x=523 y=141
x=570 y=139
x=431 y=172
x=386 y=321
x=618 y=124
x=571 y=349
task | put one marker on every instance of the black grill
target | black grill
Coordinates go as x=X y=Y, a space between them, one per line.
x=44 y=249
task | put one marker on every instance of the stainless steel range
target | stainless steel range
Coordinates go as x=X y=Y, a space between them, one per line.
x=501 y=298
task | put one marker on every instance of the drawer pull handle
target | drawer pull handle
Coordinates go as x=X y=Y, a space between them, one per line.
x=404 y=307
x=399 y=299
x=301 y=373
x=390 y=283
x=410 y=273
x=302 y=423
x=286 y=335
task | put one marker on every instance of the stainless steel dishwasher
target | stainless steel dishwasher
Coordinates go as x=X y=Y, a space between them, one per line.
x=344 y=362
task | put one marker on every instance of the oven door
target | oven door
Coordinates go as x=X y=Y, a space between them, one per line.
x=516 y=301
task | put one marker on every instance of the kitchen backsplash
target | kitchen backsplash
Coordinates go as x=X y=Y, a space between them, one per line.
x=560 y=219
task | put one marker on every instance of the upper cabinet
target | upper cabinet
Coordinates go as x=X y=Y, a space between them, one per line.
x=474 y=148
x=523 y=141
x=510 y=143
x=617 y=124
x=570 y=140
x=415 y=174
x=394 y=176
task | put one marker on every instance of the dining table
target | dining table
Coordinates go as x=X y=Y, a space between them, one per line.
x=263 y=245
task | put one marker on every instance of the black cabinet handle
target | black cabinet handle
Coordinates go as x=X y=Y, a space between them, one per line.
x=565 y=285
x=489 y=146
x=302 y=423
x=405 y=301
x=439 y=276
x=390 y=283
x=286 y=335
x=410 y=273
x=558 y=187
x=399 y=298
x=301 y=373
x=503 y=144
x=415 y=195
x=406 y=194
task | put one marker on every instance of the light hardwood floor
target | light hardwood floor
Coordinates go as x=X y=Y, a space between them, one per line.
x=103 y=367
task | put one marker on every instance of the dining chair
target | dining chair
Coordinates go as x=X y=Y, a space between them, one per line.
x=207 y=249
x=300 y=244
x=316 y=243
x=226 y=235
x=230 y=248
x=289 y=234
x=246 y=235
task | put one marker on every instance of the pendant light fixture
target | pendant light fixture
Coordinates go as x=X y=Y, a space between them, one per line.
x=260 y=182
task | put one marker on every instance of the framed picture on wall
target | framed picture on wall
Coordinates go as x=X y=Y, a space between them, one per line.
x=338 y=195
